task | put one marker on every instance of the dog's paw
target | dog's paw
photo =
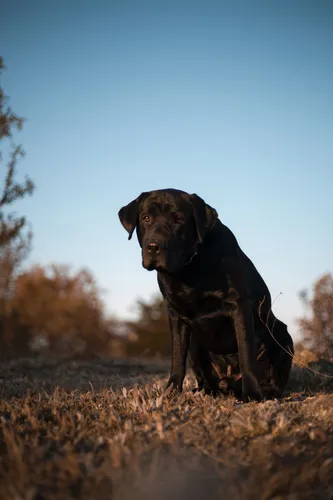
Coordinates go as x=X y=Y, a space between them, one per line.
x=272 y=393
x=175 y=383
x=250 y=389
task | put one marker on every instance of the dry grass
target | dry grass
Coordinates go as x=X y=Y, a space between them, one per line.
x=104 y=430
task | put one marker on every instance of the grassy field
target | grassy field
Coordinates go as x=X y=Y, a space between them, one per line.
x=103 y=430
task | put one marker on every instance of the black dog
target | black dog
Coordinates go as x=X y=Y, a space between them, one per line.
x=219 y=307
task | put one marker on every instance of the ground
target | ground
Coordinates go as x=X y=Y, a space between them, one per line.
x=102 y=429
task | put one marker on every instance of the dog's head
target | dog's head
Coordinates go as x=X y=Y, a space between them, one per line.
x=169 y=224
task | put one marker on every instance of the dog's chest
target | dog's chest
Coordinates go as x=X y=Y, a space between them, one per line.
x=192 y=303
x=206 y=311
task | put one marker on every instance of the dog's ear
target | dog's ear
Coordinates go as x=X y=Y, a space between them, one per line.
x=129 y=215
x=204 y=215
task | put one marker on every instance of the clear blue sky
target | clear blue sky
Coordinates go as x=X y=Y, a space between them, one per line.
x=231 y=100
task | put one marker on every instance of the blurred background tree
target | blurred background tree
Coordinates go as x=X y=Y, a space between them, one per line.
x=316 y=326
x=62 y=312
x=43 y=309
x=15 y=234
x=149 y=336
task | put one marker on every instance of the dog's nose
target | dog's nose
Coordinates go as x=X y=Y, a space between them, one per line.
x=153 y=247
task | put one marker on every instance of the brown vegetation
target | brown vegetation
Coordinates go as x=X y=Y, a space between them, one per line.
x=149 y=334
x=317 y=326
x=104 y=430
x=62 y=311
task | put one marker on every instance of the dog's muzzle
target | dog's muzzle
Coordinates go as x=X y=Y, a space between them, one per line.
x=154 y=255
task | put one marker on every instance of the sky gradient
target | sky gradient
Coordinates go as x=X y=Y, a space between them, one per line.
x=230 y=100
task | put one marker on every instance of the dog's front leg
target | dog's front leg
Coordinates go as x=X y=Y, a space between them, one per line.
x=238 y=302
x=180 y=338
x=243 y=321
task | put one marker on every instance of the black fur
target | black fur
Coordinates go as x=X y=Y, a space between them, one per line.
x=219 y=306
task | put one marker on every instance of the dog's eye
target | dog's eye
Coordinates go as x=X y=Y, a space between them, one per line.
x=146 y=218
x=178 y=219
